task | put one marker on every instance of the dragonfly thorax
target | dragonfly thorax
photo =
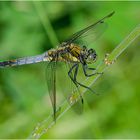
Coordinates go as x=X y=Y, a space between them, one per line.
x=89 y=56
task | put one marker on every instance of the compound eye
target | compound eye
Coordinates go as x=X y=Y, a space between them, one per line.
x=94 y=56
x=91 y=58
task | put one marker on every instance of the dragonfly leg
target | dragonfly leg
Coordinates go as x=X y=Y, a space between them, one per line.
x=85 y=68
x=74 y=78
x=70 y=74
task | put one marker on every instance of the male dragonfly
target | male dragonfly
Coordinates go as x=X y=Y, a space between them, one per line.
x=69 y=51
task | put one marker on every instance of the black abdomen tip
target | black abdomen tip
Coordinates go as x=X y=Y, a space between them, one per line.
x=6 y=63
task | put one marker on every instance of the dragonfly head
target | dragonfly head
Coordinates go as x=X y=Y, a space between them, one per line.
x=90 y=56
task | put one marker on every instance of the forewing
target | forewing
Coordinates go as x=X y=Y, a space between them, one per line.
x=90 y=33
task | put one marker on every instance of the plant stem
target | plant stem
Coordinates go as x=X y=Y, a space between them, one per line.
x=46 y=23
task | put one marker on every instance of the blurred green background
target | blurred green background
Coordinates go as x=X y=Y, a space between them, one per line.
x=25 y=30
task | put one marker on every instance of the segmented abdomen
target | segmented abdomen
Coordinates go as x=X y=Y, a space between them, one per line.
x=25 y=60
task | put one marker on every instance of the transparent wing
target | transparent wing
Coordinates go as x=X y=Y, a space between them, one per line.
x=66 y=89
x=51 y=83
x=64 y=84
x=58 y=81
x=89 y=33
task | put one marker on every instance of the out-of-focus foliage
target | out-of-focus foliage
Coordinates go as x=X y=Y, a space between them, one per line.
x=24 y=99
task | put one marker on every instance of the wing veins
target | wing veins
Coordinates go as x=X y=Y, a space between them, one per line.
x=79 y=33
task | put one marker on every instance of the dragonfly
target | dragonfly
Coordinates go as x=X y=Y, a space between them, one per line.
x=69 y=51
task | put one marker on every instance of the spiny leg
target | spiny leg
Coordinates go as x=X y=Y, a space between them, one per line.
x=70 y=74
x=85 y=68
x=74 y=79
